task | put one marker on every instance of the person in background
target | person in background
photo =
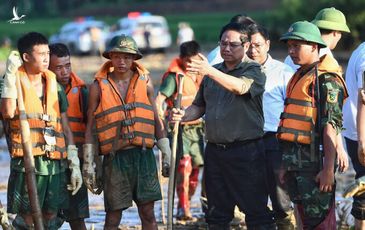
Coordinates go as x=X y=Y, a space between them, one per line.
x=278 y=75
x=192 y=132
x=185 y=33
x=354 y=133
x=77 y=96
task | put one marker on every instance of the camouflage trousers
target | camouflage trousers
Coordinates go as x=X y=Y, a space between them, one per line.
x=304 y=191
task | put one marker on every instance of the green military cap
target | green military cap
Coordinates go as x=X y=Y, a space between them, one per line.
x=122 y=44
x=304 y=31
x=331 y=19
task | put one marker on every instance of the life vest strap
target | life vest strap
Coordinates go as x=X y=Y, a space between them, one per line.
x=40 y=116
x=297 y=102
x=293 y=116
x=294 y=131
x=125 y=107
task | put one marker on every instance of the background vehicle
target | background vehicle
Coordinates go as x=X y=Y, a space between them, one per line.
x=150 y=32
x=85 y=35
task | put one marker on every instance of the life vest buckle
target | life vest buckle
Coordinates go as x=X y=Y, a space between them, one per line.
x=128 y=106
x=128 y=122
x=128 y=135
x=46 y=117
x=48 y=148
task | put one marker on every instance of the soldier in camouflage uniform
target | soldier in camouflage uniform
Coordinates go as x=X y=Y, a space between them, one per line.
x=316 y=86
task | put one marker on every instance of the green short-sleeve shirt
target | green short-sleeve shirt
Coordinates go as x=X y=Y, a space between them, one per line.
x=168 y=85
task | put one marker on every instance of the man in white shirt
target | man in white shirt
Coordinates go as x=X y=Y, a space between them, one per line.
x=353 y=113
x=278 y=75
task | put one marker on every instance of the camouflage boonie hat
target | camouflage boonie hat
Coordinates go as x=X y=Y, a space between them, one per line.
x=304 y=31
x=122 y=44
x=331 y=19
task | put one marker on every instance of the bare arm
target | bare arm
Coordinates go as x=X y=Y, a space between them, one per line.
x=66 y=129
x=160 y=99
x=94 y=99
x=342 y=158
x=160 y=130
x=235 y=85
x=326 y=175
x=8 y=107
x=361 y=127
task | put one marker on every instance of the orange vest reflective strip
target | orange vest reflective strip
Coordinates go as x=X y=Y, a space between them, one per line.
x=190 y=87
x=75 y=110
x=134 y=115
x=298 y=120
x=39 y=115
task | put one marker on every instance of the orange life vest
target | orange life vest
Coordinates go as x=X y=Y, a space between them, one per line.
x=300 y=113
x=123 y=122
x=75 y=110
x=39 y=115
x=190 y=87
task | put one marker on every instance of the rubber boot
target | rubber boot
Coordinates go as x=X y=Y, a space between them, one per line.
x=183 y=174
x=193 y=181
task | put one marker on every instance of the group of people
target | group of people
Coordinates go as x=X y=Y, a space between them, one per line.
x=269 y=129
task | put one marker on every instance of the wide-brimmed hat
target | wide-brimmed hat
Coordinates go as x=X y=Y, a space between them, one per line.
x=331 y=19
x=122 y=44
x=304 y=31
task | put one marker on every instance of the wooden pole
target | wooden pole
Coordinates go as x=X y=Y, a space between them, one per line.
x=171 y=188
x=29 y=161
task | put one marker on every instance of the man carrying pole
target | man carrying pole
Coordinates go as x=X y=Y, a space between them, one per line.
x=45 y=107
x=192 y=132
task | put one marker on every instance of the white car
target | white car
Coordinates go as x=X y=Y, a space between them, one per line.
x=151 y=32
x=82 y=36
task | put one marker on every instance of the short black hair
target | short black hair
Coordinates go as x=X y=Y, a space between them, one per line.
x=59 y=49
x=28 y=41
x=242 y=19
x=238 y=28
x=325 y=31
x=189 y=49
x=255 y=28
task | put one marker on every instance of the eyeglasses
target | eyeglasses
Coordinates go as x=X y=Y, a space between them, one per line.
x=233 y=45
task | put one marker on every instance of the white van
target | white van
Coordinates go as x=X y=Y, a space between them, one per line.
x=150 y=32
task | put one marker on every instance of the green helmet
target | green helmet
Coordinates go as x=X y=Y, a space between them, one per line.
x=122 y=44
x=331 y=19
x=304 y=31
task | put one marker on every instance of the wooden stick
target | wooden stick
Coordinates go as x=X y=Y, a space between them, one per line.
x=29 y=161
x=171 y=188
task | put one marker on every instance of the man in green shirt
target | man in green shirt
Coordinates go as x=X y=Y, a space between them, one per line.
x=230 y=97
x=192 y=132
